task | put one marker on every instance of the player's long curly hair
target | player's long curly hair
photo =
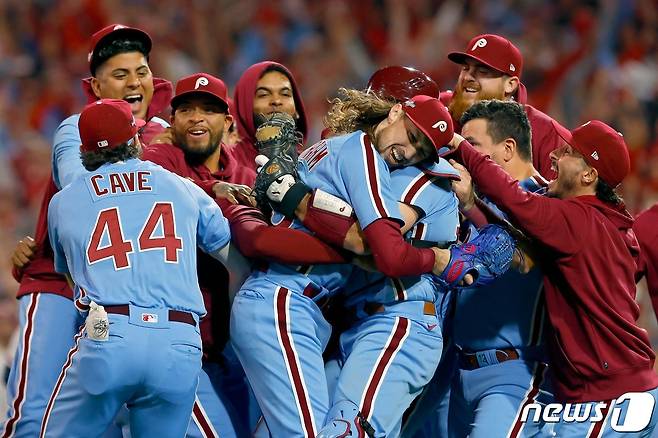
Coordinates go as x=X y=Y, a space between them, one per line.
x=356 y=110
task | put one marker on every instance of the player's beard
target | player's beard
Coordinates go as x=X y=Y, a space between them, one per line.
x=197 y=155
x=459 y=104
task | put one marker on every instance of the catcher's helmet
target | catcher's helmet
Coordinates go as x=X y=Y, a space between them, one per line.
x=402 y=83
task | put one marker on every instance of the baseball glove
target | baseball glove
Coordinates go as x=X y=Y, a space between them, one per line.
x=276 y=139
x=486 y=257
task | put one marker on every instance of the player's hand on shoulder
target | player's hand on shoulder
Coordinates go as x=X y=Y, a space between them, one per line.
x=165 y=137
x=24 y=252
x=234 y=193
x=463 y=187
x=455 y=142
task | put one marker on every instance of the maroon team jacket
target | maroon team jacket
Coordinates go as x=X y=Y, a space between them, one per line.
x=646 y=230
x=589 y=257
x=39 y=275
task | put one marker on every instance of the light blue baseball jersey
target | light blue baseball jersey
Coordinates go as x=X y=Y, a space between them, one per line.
x=127 y=233
x=66 y=164
x=509 y=312
x=347 y=166
x=429 y=190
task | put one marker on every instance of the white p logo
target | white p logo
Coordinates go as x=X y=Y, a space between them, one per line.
x=201 y=82
x=479 y=43
x=441 y=124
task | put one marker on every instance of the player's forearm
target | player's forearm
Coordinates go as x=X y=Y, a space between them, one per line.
x=257 y=239
x=393 y=256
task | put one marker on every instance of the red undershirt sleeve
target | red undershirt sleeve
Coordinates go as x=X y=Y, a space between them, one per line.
x=393 y=256
x=255 y=238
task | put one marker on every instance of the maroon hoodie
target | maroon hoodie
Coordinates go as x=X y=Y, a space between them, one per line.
x=245 y=90
x=545 y=138
x=589 y=257
x=39 y=275
x=646 y=230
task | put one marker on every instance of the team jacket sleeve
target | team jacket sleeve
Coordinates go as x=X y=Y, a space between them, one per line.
x=66 y=162
x=58 y=253
x=546 y=219
x=255 y=238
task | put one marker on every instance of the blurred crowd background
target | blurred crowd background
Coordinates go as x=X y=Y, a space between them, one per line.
x=583 y=60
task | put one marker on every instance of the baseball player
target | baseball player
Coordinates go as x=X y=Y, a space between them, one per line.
x=379 y=387
x=597 y=352
x=393 y=347
x=48 y=322
x=289 y=299
x=491 y=68
x=645 y=230
x=199 y=117
x=499 y=329
x=140 y=344
x=265 y=88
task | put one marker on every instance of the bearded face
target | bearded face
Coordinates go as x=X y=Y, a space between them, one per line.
x=477 y=82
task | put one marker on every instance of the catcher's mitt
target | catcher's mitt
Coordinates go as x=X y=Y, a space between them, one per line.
x=486 y=257
x=277 y=139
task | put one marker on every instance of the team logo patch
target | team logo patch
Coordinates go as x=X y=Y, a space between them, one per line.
x=595 y=155
x=272 y=168
x=150 y=317
x=511 y=67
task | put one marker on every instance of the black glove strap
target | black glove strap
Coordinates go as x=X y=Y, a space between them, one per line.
x=292 y=198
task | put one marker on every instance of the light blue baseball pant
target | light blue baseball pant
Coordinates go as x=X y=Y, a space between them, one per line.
x=213 y=414
x=153 y=367
x=487 y=402
x=429 y=414
x=279 y=336
x=387 y=359
x=47 y=324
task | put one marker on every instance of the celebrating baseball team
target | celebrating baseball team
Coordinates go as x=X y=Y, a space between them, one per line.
x=437 y=264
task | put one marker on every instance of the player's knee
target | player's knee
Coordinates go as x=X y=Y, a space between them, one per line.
x=345 y=420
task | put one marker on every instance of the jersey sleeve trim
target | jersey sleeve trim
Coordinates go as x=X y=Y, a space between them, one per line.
x=371 y=171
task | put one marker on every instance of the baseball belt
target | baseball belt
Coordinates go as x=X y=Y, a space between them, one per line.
x=174 y=315
x=479 y=359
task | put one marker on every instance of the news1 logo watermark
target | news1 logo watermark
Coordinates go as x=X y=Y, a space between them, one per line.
x=629 y=413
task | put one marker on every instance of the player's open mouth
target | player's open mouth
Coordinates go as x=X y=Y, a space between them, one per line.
x=197 y=132
x=397 y=156
x=133 y=98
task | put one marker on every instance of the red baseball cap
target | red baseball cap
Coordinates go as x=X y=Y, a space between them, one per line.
x=494 y=51
x=402 y=83
x=107 y=124
x=110 y=33
x=433 y=119
x=200 y=83
x=602 y=147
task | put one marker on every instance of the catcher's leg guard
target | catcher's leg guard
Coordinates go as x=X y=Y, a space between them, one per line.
x=345 y=420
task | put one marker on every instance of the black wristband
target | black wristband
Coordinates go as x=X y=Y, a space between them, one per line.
x=292 y=198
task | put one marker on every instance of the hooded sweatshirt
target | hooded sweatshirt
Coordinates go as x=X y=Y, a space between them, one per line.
x=245 y=151
x=646 y=230
x=39 y=275
x=589 y=257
